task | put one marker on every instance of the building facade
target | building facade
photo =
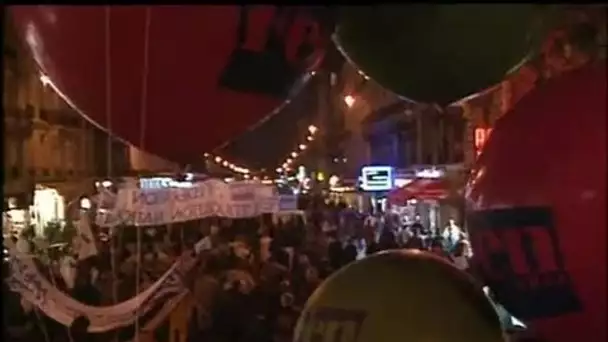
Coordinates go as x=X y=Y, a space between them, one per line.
x=46 y=143
x=347 y=99
x=404 y=134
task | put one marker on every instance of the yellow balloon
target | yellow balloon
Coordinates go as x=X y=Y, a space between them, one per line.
x=399 y=296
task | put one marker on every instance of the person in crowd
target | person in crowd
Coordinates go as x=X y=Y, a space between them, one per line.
x=78 y=330
x=436 y=247
x=452 y=234
x=334 y=251
x=349 y=252
x=415 y=240
x=263 y=309
x=387 y=240
x=460 y=255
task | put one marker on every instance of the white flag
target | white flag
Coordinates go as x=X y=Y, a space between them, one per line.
x=84 y=241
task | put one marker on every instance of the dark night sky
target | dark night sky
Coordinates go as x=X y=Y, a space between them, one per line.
x=266 y=145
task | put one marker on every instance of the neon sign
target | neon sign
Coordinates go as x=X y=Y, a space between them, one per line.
x=377 y=178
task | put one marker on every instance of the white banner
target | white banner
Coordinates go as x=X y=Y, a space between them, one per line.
x=26 y=280
x=150 y=207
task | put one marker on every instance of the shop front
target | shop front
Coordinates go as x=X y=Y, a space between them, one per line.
x=46 y=206
x=431 y=196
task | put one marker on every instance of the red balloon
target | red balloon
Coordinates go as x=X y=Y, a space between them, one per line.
x=181 y=80
x=537 y=203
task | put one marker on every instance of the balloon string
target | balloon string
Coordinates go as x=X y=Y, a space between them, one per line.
x=142 y=117
x=108 y=93
x=109 y=165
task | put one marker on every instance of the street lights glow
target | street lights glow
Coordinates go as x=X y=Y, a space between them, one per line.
x=349 y=100
x=45 y=80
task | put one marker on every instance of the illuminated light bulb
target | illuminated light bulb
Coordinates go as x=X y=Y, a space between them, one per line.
x=288 y=160
x=45 y=80
x=349 y=100
x=309 y=138
x=312 y=129
x=245 y=171
x=218 y=159
x=279 y=170
x=285 y=165
x=206 y=155
x=302 y=147
x=225 y=163
x=363 y=74
x=294 y=154
x=246 y=176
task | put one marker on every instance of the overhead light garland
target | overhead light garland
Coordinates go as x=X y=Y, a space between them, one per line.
x=228 y=165
x=287 y=163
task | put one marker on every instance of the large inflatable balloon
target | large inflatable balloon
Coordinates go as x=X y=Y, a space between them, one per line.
x=174 y=80
x=440 y=53
x=399 y=296
x=537 y=208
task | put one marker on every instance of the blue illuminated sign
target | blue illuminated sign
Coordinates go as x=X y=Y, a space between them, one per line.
x=377 y=178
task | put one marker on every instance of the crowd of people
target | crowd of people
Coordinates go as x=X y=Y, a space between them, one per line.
x=253 y=276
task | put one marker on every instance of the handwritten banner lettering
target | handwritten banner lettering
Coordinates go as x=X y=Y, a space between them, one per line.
x=150 y=207
x=26 y=280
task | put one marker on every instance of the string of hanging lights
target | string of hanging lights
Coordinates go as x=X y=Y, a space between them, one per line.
x=288 y=162
x=228 y=165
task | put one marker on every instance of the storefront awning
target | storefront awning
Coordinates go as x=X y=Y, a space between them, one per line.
x=420 y=189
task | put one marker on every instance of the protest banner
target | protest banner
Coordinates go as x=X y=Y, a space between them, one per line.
x=160 y=206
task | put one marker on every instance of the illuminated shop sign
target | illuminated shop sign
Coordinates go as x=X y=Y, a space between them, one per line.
x=377 y=178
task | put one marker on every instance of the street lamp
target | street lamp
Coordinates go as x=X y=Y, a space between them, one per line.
x=349 y=100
